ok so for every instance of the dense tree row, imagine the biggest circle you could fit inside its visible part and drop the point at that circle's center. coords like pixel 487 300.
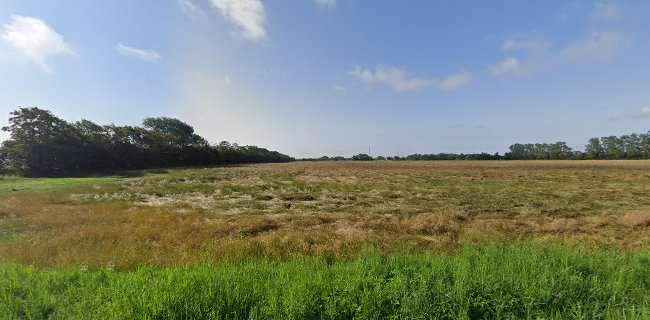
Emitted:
pixel 42 144
pixel 540 151
pixel 633 146
pixel 416 157
pixel 455 156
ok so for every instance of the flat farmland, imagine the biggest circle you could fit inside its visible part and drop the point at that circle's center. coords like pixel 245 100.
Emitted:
pixel 335 210
pixel 333 240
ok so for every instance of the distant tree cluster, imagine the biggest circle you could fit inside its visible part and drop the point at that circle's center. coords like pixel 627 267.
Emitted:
pixel 632 146
pixel 540 151
pixel 42 144
pixel 455 156
pixel 415 157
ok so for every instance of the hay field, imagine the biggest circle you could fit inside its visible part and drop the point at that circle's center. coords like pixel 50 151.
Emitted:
pixel 329 210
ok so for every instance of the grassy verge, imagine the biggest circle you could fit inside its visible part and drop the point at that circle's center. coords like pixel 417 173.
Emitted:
pixel 14 184
pixel 477 283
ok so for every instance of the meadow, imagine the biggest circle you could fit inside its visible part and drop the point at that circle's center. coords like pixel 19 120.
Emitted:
pixel 381 239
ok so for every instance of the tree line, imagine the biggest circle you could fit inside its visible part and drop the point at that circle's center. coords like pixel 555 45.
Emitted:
pixel 42 144
pixel 632 146
pixel 629 146
pixel 414 157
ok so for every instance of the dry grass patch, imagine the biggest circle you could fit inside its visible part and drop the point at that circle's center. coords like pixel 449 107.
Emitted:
pixel 282 211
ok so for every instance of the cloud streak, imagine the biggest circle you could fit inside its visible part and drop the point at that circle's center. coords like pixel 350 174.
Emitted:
pixel 249 16
pixel 191 9
pixel 33 38
pixel 325 3
pixel 508 66
pixel 148 55
pixel 534 42
pixel 457 80
pixel 604 12
pixel 640 113
pixel 399 81
pixel 529 52
pixel 598 47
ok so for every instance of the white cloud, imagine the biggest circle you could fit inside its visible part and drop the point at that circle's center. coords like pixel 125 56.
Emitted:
pixel 223 80
pixel 36 40
pixel 191 9
pixel 508 66
pixel 606 11
pixel 393 77
pixel 457 80
pixel 248 15
pixel 641 113
pixel 338 88
pixel 598 47
pixel 534 42
pixel 325 3
pixel 397 79
pixel 145 55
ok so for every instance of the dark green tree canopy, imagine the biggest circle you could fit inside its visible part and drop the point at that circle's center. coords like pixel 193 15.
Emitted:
pixel 42 144
pixel 34 125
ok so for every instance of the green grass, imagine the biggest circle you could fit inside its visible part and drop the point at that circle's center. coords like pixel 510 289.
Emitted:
pixel 504 282
pixel 22 184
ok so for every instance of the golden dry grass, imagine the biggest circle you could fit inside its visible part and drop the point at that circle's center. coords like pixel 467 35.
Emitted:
pixel 334 210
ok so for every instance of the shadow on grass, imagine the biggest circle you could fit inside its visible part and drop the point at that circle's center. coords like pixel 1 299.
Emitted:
pixel 134 173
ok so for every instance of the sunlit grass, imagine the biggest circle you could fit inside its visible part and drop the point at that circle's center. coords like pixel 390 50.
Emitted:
pixel 14 184
pixel 492 282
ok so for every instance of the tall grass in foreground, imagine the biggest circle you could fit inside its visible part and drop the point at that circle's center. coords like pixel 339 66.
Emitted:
pixel 477 283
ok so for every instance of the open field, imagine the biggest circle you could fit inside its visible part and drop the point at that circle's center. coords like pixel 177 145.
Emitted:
pixel 457 239
pixel 330 210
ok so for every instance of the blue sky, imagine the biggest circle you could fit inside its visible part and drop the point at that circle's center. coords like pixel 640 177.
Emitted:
pixel 337 77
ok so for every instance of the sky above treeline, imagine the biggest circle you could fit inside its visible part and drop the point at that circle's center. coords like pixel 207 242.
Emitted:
pixel 337 77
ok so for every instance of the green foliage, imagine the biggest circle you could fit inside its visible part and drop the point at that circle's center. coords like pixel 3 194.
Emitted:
pixel 42 144
pixel 540 151
pixel 633 146
pixel 362 157
pixel 478 283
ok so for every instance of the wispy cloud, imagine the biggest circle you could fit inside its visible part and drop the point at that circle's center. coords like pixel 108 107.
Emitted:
pixel 508 66
pixel 534 41
pixel 325 3
pixel 639 113
pixel 606 11
pixel 597 47
pixel 148 55
pixel 248 15
pixel 34 38
pixel 395 78
pixel 457 80
pixel 338 88
pixel 223 80
pixel 191 9
pixel 530 52
pixel 399 81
